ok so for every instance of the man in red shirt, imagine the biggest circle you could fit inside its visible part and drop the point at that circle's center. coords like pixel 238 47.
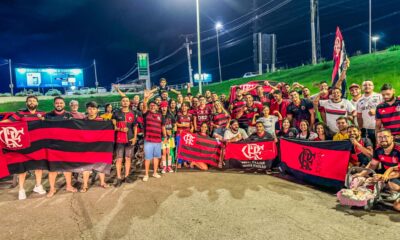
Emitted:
pixel 201 114
pixel 388 113
pixel 236 106
pixel 31 113
pixel 247 112
pixel 278 104
pixel 154 130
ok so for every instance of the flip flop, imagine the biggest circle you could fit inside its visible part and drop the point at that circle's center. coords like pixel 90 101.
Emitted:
pixel 105 186
pixel 83 189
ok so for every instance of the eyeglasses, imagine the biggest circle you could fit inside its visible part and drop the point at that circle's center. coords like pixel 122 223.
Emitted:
pixel 384 137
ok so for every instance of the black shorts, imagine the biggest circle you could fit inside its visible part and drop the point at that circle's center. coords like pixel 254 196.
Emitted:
pixel 122 150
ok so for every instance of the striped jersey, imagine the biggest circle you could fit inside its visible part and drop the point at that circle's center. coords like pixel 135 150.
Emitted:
pixel 184 118
pixel 221 119
pixel 153 123
pixel 26 115
pixel 334 110
pixel 391 160
pixel 390 116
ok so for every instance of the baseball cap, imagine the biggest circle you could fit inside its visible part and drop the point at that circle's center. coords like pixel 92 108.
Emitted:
pixel 354 85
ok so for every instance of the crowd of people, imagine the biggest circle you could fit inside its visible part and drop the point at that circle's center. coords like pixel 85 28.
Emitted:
pixel 369 120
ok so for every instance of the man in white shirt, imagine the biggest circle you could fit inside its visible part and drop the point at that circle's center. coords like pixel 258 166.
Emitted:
pixel 335 108
pixel 366 108
pixel 234 133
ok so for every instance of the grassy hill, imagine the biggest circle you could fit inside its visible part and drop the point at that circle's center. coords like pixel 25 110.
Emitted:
pixel 381 67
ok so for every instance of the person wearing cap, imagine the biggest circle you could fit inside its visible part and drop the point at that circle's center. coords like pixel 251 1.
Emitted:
pixel 366 109
pixel 168 141
pixel 355 92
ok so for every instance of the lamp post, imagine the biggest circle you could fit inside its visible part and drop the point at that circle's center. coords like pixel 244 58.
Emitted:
pixel 375 39
pixel 199 46
pixel 370 26
pixel 218 27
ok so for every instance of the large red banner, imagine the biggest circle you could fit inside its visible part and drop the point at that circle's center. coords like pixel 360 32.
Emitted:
pixel 246 87
pixel 251 154
pixel 326 160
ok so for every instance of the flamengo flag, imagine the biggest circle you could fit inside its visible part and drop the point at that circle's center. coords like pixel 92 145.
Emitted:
pixel 339 58
pixel 3 166
pixel 196 148
pixel 321 163
pixel 68 145
pixel 245 87
pixel 14 135
pixel 258 154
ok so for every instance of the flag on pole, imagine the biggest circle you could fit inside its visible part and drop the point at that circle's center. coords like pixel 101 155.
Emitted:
pixel 340 60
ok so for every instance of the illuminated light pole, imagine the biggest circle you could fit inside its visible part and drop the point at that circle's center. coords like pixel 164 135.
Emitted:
pixel 375 39
pixel 219 27
pixel 199 46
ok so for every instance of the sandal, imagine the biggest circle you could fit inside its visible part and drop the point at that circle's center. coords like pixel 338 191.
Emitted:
pixel 72 189
pixel 83 189
pixel 50 194
pixel 105 185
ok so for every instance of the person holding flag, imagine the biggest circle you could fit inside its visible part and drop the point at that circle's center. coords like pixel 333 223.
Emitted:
pixel 340 62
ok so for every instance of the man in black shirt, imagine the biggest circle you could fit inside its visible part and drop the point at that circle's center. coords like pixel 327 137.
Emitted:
pixel 59 113
pixel 260 133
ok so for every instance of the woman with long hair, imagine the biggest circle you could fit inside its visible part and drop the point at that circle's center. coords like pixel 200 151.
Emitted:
pixel 305 131
pixel 173 108
pixel 220 120
pixel 287 131
pixel 204 131
pixel 108 109
pixel 322 132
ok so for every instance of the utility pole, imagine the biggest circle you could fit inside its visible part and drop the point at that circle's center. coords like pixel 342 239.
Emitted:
pixel 370 26
pixel 319 54
pixel 11 82
pixel 189 53
pixel 95 75
pixel 313 44
pixel 199 46
pixel 254 30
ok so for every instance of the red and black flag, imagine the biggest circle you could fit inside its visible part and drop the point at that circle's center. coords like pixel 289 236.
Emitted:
pixel 340 60
pixel 197 148
pixel 321 163
pixel 260 154
pixel 245 87
pixel 68 145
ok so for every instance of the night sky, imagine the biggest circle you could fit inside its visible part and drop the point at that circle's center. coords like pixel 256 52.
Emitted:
pixel 66 33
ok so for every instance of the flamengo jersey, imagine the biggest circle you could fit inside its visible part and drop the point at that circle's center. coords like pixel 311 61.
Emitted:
pixel 53 115
pixel 153 123
pixel 169 121
pixel 202 115
pixel 124 119
pixel 390 116
pixel 236 107
pixel 249 113
pixel 220 119
pixel 26 115
pixel 335 110
pixel 364 105
pixel 181 118
pixel 391 160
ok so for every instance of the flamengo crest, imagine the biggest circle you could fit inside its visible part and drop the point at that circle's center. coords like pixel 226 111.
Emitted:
pixel 189 139
pixel 11 137
pixel 253 151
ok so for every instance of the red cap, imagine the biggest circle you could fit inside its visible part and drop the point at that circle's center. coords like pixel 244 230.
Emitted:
pixel 164 104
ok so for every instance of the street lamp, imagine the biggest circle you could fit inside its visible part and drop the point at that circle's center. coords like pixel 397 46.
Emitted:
pixel 218 27
pixel 199 46
pixel 375 39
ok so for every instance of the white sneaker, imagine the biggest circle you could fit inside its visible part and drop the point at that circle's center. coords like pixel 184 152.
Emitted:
pixel 394 196
pixel 145 178
pixel 21 195
pixel 170 170
pixel 164 170
pixel 39 189
pixel 156 175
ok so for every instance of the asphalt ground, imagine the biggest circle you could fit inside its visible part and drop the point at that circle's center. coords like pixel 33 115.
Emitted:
pixel 191 205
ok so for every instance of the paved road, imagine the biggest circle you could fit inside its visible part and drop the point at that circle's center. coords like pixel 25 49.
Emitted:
pixel 193 205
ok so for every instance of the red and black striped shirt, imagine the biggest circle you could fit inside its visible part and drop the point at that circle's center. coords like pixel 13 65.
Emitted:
pixel 153 123
pixel 391 160
pixel 181 118
pixel 125 119
pixel 27 116
pixel 202 115
pixel 389 116
pixel 220 119
pixel 237 105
